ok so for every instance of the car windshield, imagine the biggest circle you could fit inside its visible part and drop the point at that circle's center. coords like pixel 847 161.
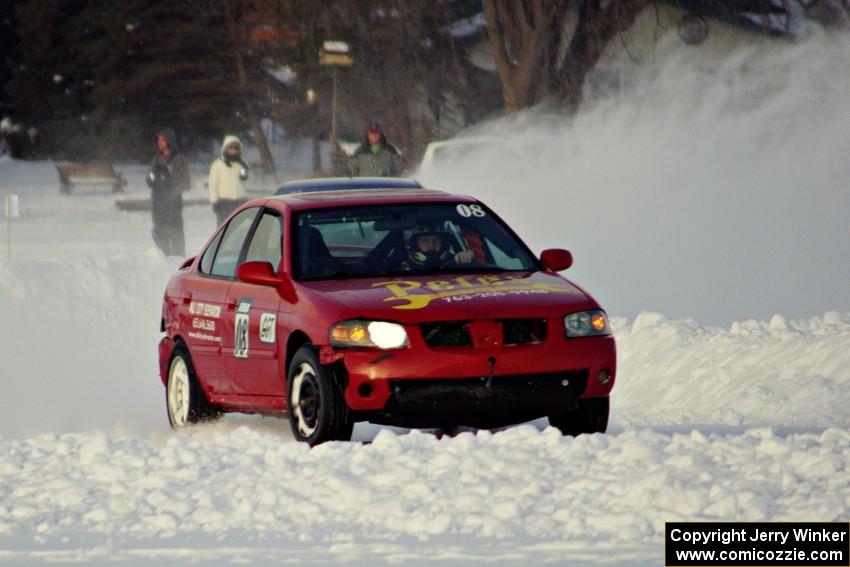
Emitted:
pixel 390 240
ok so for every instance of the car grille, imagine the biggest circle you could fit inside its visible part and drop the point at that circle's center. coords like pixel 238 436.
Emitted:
pixel 459 334
pixel 451 334
pixel 523 331
pixel 535 387
pixel 482 402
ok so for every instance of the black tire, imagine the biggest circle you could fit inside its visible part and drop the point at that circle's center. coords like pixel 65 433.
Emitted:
pixel 591 416
pixel 185 401
pixel 316 406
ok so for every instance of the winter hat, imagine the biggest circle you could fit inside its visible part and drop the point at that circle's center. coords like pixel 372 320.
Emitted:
pixel 170 137
pixel 230 141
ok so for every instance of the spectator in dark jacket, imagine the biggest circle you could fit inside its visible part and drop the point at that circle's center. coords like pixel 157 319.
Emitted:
pixel 168 178
pixel 375 157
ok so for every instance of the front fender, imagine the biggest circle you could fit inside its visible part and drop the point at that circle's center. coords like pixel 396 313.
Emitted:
pixel 166 345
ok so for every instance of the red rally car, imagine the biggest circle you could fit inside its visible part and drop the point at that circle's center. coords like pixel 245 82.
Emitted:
pixel 400 306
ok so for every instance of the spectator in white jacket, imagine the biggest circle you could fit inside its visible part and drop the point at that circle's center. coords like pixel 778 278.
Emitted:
pixel 227 179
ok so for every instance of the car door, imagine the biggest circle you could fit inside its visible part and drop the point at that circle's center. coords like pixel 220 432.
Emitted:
pixel 253 364
pixel 201 319
pixel 212 302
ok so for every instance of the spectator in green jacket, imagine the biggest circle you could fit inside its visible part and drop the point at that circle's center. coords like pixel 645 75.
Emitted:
pixel 375 157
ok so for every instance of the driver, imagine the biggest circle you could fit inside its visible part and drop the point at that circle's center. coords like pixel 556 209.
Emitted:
pixel 430 250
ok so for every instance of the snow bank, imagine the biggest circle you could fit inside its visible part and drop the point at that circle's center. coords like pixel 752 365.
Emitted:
pixel 779 373
pixel 78 340
pixel 516 494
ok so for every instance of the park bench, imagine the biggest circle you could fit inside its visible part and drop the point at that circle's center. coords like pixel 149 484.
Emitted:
pixel 71 174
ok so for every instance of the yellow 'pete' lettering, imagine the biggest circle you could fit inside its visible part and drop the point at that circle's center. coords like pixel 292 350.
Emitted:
pixel 439 285
pixel 399 289
pixel 441 289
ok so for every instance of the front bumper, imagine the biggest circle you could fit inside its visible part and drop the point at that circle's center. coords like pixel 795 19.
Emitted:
pixel 534 380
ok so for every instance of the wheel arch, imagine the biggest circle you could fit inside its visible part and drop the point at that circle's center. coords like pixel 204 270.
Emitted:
pixel 166 350
pixel 200 408
pixel 296 340
pixel 178 340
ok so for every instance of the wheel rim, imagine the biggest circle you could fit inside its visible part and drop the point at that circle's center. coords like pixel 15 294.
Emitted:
pixel 178 392
pixel 306 400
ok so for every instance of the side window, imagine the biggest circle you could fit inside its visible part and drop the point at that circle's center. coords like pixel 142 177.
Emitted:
pixel 231 243
pixel 503 258
pixel 209 253
pixel 266 243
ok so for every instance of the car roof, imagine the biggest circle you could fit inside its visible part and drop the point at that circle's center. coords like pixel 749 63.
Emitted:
pixel 363 193
pixel 346 184
pixel 365 197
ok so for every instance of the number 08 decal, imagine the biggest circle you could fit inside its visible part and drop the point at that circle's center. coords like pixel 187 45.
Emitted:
pixel 467 211
pixel 241 325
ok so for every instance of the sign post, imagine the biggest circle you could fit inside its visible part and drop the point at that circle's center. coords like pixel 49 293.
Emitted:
pixel 336 54
pixel 12 212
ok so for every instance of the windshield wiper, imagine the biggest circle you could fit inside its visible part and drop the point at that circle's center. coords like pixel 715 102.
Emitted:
pixel 455 269
pixel 464 269
pixel 336 276
pixel 436 271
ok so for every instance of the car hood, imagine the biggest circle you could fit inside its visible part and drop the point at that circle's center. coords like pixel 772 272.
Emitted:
pixel 453 296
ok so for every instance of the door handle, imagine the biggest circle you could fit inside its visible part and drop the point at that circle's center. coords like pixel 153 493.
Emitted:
pixel 187 299
pixel 231 305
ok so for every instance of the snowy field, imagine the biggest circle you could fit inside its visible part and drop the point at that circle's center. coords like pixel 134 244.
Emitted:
pixel 732 405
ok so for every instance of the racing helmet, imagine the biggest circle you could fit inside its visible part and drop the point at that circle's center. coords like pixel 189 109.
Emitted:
pixel 429 248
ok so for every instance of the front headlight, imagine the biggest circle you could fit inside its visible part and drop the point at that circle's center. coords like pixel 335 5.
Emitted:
pixel 358 333
pixel 586 324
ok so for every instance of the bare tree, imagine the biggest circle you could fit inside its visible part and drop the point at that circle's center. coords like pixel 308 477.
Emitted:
pixel 238 18
pixel 408 70
pixel 521 35
pixel 598 24
pixel 535 55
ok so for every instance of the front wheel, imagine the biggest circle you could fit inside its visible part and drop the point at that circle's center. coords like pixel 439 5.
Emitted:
pixel 591 416
pixel 317 409
pixel 184 398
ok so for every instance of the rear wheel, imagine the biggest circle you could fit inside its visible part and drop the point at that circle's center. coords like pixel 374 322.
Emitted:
pixel 184 398
pixel 317 409
pixel 591 416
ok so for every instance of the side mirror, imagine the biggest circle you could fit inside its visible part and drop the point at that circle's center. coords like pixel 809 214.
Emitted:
pixel 259 273
pixel 556 259
pixel 262 273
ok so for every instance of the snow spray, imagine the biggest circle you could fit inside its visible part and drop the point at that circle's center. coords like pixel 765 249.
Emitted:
pixel 708 187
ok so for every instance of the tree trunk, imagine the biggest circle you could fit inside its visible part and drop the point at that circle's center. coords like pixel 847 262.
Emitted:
pixel 237 40
pixel 596 28
pixel 262 143
pixel 517 36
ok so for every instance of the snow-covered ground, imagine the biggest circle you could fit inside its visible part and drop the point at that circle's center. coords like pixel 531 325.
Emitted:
pixel 714 417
